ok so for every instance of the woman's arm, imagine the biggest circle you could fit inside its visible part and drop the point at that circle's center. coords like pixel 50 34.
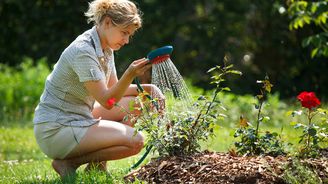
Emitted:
pixel 101 92
pixel 112 80
pixel 131 91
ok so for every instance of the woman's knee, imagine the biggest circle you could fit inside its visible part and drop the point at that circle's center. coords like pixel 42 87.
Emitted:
pixel 137 142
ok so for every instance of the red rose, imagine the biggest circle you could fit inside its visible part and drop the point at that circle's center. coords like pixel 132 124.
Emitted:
pixel 308 99
pixel 111 101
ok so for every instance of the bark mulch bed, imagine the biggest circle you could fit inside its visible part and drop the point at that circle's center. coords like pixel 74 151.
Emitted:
pixel 211 167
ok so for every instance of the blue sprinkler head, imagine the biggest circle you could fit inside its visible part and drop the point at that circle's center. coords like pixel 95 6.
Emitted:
pixel 160 55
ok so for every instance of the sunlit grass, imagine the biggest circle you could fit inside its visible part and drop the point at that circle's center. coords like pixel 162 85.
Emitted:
pixel 21 160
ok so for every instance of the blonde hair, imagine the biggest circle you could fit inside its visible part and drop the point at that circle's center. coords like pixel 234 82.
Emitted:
pixel 122 12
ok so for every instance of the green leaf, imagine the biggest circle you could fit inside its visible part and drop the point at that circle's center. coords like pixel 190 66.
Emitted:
pixel 288 113
pixel 228 67
pixel 275 134
pixel 223 108
pixel 235 72
pixel 215 77
pixel 312 132
pixel 314 7
pixel 298 113
pixel 307 41
pixel 211 69
pixel 322 110
pixel 298 125
pixel 226 89
pixel 126 118
pixel 293 123
pixel 314 52
pixel 131 106
pixel 266 118
pixel 223 115
pixel 201 97
pixel 259 97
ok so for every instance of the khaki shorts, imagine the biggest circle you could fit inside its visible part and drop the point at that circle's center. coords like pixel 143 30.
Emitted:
pixel 57 140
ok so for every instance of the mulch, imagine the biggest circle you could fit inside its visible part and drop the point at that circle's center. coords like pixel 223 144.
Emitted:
pixel 213 167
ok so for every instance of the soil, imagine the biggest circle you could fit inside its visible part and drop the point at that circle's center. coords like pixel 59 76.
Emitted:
pixel 212 167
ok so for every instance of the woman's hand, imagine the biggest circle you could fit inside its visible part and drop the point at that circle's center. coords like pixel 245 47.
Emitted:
pixel 157 93
pixel 138 67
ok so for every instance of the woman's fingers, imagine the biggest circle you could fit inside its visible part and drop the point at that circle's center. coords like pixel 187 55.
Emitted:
pixel 141 65
pixel 145 68
pixel 141 61
pixel 138 67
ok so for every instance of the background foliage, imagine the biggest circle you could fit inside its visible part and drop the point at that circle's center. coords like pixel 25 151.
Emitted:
pixel 22 89
pixel 254 33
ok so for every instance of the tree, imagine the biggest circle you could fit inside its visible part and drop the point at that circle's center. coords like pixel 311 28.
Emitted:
pixel 313 14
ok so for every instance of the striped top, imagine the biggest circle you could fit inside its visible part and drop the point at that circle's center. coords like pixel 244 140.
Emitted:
pixel 65 100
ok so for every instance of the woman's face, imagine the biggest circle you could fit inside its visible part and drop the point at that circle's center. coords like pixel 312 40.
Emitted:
pixel 115 37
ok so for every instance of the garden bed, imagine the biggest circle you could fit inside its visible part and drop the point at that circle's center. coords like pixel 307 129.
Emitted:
pixel 211 167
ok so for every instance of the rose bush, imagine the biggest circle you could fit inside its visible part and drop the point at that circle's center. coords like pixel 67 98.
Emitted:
pixel 314 132
pixel 252 142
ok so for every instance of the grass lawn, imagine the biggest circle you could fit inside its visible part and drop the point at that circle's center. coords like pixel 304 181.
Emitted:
pixel 21 161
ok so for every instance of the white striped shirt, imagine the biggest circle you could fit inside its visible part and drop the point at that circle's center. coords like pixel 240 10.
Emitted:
pixel 65 100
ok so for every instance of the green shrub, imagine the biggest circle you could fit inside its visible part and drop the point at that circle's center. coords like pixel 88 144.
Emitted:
pixel 251 141
pixel 21 88
pixel 181 130
pixel 296 173
pixel 314 129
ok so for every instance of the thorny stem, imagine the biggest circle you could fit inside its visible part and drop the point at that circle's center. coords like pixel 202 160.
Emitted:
pixel 258 119
pixel 152 132
pixel 199 115
pixel 196 122
pixel 217 90
pixel 208 108
pixel 215 94
pixel 210 105
pixel 309 136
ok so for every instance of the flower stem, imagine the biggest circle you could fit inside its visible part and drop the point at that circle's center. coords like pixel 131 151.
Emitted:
pixel 208 109
pixel 258 120
pixel 309 136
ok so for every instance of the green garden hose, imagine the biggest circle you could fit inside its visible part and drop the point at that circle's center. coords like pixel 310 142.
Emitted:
pixel 148 148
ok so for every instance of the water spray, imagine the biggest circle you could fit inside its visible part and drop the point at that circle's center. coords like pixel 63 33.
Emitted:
pixel 167 78
pixel 156 57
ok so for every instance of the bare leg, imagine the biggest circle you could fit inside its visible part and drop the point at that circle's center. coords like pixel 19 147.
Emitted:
pixel 104 141
pixel 115 114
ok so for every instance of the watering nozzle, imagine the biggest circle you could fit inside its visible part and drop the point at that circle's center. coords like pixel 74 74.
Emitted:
pixel 160 55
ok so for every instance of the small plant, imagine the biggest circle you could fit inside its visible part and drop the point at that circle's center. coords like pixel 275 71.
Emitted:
pixel 251 142
pixel 313 134
pixel 209 112
pixel 296 172
pixel 180 131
